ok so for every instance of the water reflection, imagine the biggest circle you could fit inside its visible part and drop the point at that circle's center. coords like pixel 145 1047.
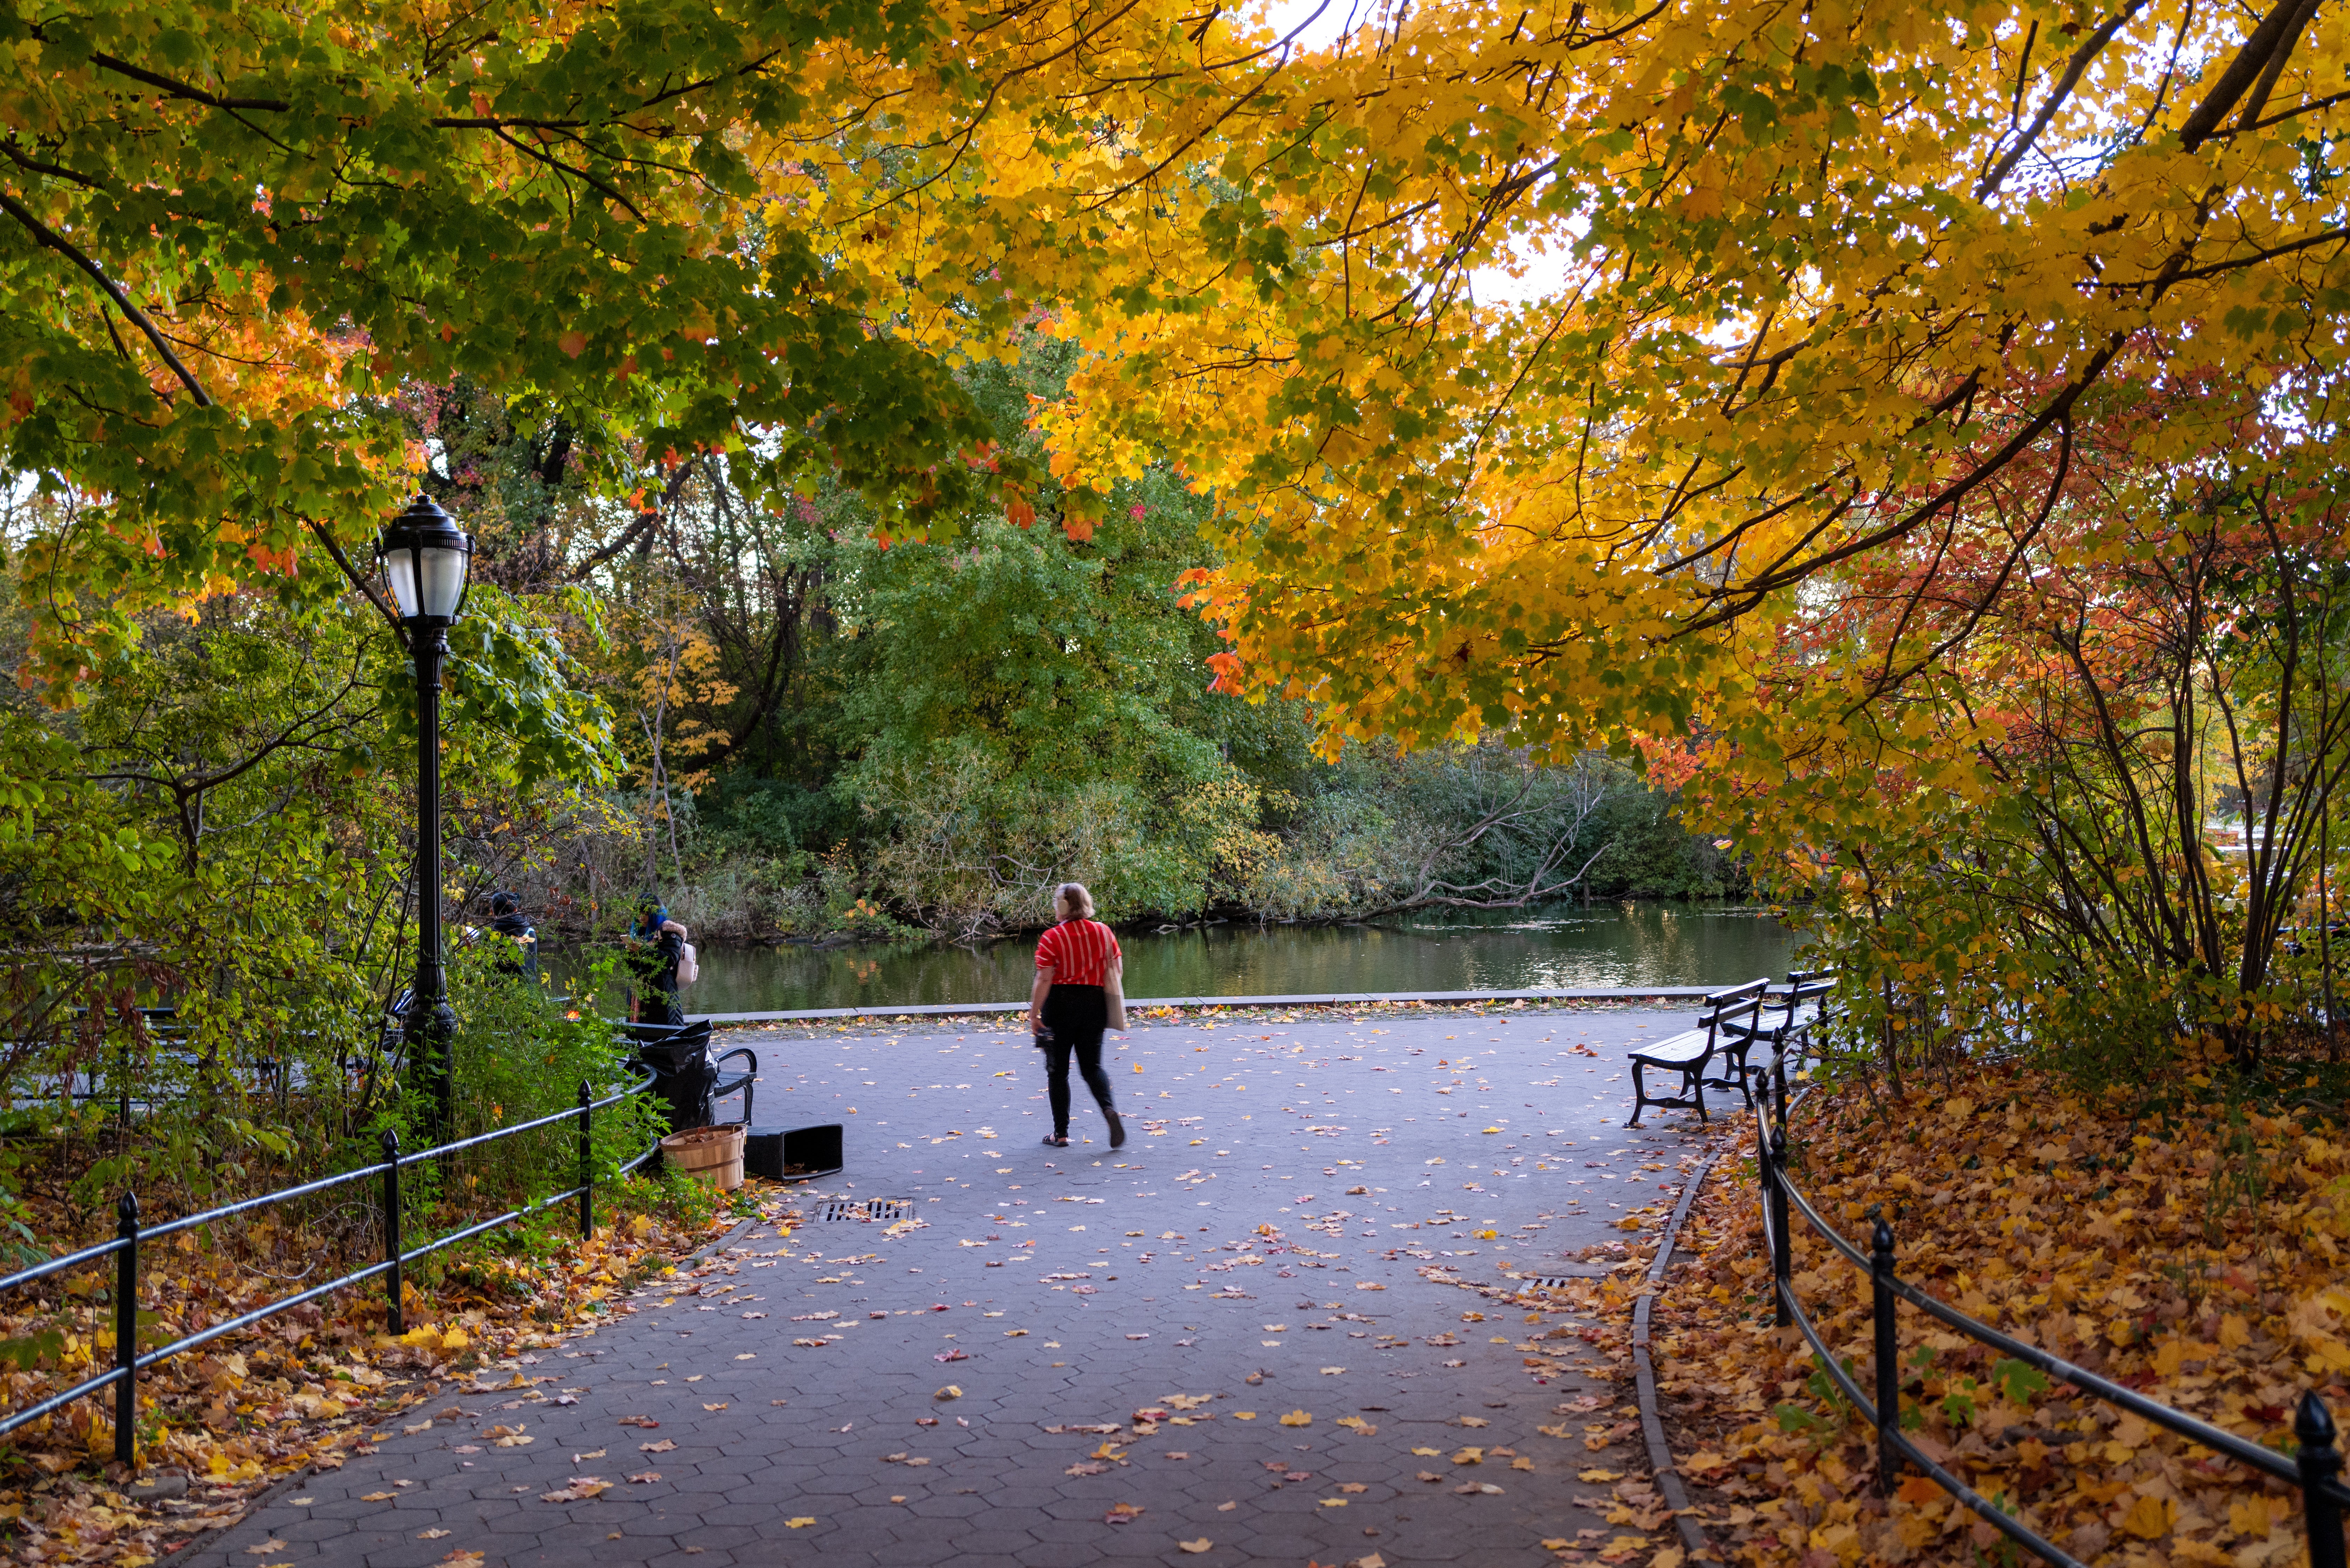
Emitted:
pixel 1614 945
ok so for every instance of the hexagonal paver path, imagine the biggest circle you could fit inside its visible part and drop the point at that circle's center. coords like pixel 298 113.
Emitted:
pixel 1262 1246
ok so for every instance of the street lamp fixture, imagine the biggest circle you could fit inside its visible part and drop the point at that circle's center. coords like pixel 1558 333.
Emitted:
pixel 425 558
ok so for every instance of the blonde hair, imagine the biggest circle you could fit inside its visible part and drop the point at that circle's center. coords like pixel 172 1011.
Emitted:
pixel 1080 902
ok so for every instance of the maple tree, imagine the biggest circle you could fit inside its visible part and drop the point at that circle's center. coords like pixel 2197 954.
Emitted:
pixel 2070 760
pixel 1782 263
pixel 228 235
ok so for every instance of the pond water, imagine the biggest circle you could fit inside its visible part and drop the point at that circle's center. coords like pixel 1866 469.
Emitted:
pixel 1628 944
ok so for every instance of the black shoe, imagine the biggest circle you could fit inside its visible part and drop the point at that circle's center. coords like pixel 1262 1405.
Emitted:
pixel 1056 1140
pixel 1117 1128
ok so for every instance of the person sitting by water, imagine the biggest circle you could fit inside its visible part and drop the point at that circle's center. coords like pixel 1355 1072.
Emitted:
pixel 655 943
pixel 1068 1008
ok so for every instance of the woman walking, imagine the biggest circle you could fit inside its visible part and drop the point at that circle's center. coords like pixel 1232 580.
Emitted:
pixel 1068 1008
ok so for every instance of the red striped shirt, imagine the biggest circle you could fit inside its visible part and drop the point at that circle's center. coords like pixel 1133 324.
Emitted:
pixel 1077 952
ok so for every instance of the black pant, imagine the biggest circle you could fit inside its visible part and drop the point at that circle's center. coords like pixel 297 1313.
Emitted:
pixel 1076 1015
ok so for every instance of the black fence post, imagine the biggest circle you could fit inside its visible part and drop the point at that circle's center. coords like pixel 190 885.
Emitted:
pixel 586 1162
pixel 1889 1357
pixel 1779 1088
pixel 394 1320
pixel 1782 1247
pixel 1782 1244
pixel 2320 1463
pixel 126 1331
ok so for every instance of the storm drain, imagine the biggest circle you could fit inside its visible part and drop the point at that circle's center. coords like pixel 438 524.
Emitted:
pixel 866 1209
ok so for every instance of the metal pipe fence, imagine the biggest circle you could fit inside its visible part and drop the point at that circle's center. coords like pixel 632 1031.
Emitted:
pixel 2314 1468
pixel 129 1362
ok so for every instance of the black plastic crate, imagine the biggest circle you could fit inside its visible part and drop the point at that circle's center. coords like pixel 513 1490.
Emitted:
pixel 792 1154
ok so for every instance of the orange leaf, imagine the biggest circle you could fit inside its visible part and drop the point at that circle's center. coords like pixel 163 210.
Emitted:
pixel 1919 1489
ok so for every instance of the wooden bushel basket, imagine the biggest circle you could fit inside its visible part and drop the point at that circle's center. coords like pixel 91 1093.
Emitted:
pixel 712 1154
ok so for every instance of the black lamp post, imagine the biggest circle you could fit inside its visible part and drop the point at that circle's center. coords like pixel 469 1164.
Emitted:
pixel 425 555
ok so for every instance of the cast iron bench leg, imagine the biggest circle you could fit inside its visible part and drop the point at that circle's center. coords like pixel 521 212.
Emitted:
pixel 1640 1092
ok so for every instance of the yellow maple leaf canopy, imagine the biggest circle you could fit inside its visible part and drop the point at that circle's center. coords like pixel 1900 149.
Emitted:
pixel 1538 355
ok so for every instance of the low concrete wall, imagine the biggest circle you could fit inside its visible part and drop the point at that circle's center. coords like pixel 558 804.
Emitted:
pixel 1665 994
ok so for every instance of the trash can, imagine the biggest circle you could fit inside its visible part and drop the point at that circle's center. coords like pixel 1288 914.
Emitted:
pixel 684 1077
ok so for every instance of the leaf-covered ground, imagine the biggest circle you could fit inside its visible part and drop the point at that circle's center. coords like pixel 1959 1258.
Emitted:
pixel 2194 1256
pixel 304 1390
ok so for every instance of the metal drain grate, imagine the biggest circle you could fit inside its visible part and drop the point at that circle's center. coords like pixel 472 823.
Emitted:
pixel 866 1209
pixel 1585 1274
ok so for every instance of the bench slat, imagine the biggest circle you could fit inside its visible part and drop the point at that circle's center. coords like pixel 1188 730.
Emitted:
pixel 1674 1050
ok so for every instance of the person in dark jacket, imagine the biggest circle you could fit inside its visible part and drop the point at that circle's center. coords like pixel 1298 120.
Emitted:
pixel 655 944
pixel 507 919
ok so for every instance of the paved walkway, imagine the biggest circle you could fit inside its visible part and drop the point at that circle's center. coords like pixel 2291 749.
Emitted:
pixel 1258 1253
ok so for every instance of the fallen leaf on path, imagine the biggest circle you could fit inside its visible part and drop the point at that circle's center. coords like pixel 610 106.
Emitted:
pixel 1122 1514
pixel 1196 1547
pixel 802 1522
pixel 1297 1418
pixel 641 1476
pixel 664 1446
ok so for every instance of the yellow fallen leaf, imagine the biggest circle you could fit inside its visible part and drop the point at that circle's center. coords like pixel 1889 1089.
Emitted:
pixel 1334 1503
pixel 1429 1453
pixel 431 1535
pixel 1469 1457
pixel 1196 1547
pixel 1297 1418
pixel 2150 1518
pixel 1521 1463
pixel 802 1522
pixel 1243 1414
pixel 1595 1477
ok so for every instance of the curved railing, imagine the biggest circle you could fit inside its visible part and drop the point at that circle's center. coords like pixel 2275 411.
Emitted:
pixel 2315 1469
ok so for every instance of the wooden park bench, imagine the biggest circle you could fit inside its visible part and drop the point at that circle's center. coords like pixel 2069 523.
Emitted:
pixel 1691 1052
pixel 1783 1021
